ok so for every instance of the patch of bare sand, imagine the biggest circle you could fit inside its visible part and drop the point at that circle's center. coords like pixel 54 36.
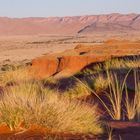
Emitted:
pixel 24 48
pixel 20 48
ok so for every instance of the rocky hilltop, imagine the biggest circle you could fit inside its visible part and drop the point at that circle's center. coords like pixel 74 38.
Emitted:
pixel 70 25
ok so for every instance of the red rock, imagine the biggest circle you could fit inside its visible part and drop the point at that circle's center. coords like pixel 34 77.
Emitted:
pixel 74 64
pixel 72 61
pixel 45 66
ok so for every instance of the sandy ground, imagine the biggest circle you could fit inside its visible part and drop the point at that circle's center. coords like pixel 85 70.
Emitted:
pixel 21 48
pixel 26 48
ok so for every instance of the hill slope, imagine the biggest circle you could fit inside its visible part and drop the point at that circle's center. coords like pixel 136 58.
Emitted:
pixel 70 25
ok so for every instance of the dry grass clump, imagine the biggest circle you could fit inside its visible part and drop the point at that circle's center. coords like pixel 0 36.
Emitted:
pixel 133 106
pixel 138 104
pixel 94 70
pixel 78 91
pixel 114 94
pixel 98 68
pixel 101 83
pixel 19 74
pixel 115 97
pixel 115 88
pixel 31 104
pixel 110 133
pixel 7 67
pixel 114 64
pixel 122 64
pixel 133 64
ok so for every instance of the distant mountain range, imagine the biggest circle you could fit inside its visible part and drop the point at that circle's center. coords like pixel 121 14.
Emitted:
pixel 70 25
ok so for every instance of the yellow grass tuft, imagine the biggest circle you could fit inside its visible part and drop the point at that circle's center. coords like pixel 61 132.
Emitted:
pixel 101 83
pixel 31 104
pixel 78 91
pixel 16 75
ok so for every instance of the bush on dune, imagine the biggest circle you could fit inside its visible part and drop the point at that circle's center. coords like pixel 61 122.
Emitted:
pixel 31 104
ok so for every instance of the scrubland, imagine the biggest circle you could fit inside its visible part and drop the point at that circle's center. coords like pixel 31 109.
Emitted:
pixel 99 94
pixel 102 101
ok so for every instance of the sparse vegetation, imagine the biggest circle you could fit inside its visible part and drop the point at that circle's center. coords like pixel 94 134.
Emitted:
pixel 122 63
pixel 31 104
pixel 78 91
pixel 110 133
pixel 101 83
pixel 115 97
pixel 16 75
pixel 7 67
pixel 114 64
pixel 133 105
pixel 117 94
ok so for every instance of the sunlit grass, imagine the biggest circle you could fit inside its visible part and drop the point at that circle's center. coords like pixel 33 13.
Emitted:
pixel 122 64
pixel 133 105
pixel 114 64
pixel 114 95
pixel 109 133
pixel 78 91
pixel 31 104
pixel 101 83
pixel 16 75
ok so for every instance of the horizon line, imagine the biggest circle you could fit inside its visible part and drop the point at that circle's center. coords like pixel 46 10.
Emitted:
pixel 12 17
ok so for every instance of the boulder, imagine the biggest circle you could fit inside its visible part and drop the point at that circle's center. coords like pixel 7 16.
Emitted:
pixel 45 66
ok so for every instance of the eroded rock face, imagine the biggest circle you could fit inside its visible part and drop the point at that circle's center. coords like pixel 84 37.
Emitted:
pixel 72 61
pixel 45 66
pixel 74 64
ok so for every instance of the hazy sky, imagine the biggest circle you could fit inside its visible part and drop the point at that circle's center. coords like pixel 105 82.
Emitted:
pixel 45 8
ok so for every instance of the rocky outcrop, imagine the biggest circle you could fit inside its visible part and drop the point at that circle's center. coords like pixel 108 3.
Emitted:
pixel 45 66
pixel 72 61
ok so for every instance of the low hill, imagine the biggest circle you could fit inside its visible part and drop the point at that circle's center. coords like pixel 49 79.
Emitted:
pixel 70 25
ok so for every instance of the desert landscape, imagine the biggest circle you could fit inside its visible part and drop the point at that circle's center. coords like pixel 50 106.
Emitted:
pixel 70 78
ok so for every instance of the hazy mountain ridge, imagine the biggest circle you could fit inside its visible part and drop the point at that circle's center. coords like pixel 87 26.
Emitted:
pixel 70 25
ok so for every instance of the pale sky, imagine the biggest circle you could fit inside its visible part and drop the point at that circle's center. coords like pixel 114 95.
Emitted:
pixel 46 8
